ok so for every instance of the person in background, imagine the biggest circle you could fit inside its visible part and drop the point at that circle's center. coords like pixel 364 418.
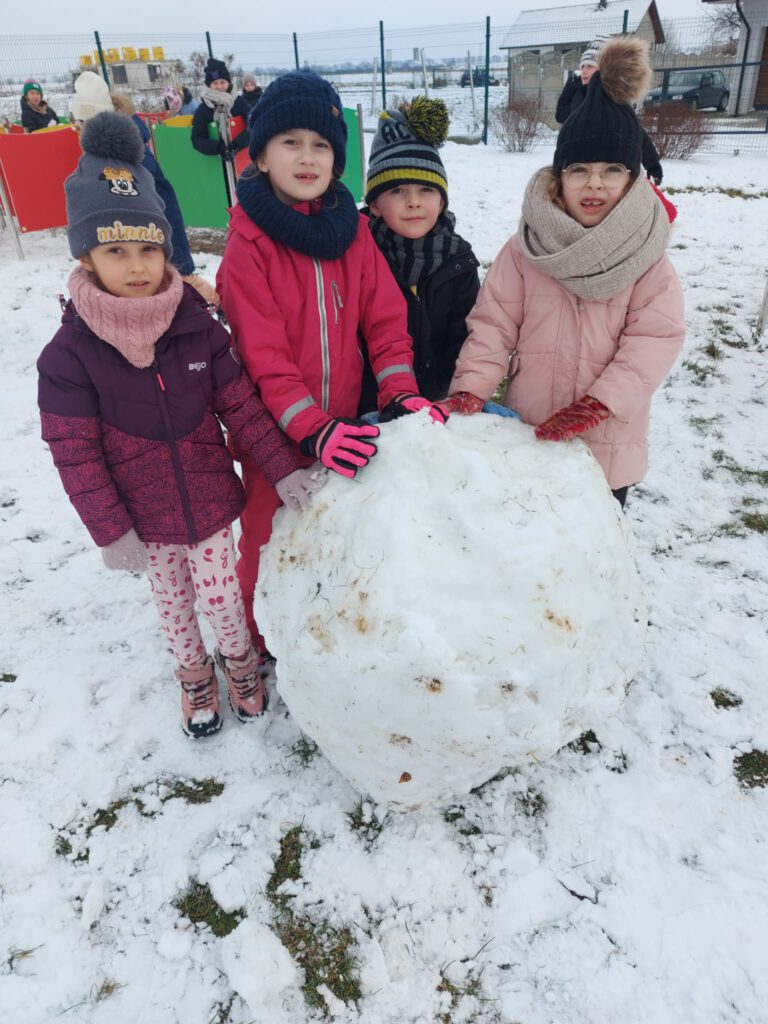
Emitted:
pixel 189 104
pixel 572 96
pixel 35 112
pixel 92 96
pixel 123 104
pixel 216 98
pixel 300 278
pixel 248 98
pixel 582 309
pixel 172 100
pixel 435 268
pixel 132 390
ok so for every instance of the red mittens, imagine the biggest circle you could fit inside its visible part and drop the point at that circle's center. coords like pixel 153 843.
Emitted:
pixel 462 402
pixel 574 419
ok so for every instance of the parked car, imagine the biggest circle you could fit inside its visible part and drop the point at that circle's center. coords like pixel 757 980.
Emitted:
pixel 478 78
pixel 698 89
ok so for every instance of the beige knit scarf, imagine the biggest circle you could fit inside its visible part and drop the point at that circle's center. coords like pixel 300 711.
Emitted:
pixel 132 326
pixel 593 263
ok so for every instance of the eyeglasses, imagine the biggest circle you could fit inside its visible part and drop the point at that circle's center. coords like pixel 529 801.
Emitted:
pixel 612 176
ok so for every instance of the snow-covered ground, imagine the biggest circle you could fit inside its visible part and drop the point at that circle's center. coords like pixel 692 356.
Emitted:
pixel 626 880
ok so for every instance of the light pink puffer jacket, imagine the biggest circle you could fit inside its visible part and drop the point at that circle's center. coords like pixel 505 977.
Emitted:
pixel 559 348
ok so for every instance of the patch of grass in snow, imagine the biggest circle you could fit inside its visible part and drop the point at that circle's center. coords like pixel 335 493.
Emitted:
pixel 107 988
pixel 198 904
pixel 471 989
pixel 14 955
pixel 222 1013
pixel 741 474
pixel 365 824
pixel 7 677
pixel 587 743
pixel 531 803
pixel 751 768
pixel 703 424
pixel 324 952
pixel 723 698
pixel 712 349
pixel 193 791
pixel 456 815
pixel 734 193
pixel 701 372
pixel 304 751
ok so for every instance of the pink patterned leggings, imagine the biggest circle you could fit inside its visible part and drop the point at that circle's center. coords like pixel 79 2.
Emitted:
pixel 179 573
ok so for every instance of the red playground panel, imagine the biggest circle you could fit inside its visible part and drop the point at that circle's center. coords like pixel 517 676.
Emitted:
pixel 34 168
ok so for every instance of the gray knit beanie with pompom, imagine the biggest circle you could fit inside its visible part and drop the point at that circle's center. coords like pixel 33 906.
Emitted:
pixel 111 198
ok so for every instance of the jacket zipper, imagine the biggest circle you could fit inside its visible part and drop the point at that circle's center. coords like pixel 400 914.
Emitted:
pixel 175 458
pixel 337 303
pixel 324 353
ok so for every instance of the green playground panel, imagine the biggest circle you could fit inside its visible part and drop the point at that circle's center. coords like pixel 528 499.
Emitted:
pixel 197 180
pixel 353 172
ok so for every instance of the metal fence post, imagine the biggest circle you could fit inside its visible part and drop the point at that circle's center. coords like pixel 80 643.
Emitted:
pixel 296 50
pixel 625 26
pixel 101 57
pixel 208 42
pixel 383 68
pixel 487 77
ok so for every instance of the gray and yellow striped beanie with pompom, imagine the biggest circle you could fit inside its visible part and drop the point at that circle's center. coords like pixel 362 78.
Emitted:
pixel 404 149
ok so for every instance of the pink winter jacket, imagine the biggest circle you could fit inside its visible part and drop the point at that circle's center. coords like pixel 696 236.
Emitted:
pixel 558 348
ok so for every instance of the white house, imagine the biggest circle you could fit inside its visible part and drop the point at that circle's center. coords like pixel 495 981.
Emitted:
pixel 561 29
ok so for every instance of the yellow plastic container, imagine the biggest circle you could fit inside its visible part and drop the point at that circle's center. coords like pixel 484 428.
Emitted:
pixel 86 60
pixel 144 54
pixel 158 53
pixel 129 53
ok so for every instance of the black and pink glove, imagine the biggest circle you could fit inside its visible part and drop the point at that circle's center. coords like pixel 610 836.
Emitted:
pixel 342 445
pixel 404 404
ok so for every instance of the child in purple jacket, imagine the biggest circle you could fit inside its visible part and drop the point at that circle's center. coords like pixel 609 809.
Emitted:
pixel 131 391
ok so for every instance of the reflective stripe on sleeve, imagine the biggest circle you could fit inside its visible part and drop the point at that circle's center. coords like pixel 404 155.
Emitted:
pixel 394 369
pixel 294 410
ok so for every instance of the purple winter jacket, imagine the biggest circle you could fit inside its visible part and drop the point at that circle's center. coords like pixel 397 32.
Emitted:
pixel 143 448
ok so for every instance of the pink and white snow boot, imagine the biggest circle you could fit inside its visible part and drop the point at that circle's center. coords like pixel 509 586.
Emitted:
pixel 245 685
pixel 200 711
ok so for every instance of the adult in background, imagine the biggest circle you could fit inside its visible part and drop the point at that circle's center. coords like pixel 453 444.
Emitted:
pixel 92 96
pixel 216 98
pixel 572 97
pixel 36 114
pixel 189 103
pixel 248 98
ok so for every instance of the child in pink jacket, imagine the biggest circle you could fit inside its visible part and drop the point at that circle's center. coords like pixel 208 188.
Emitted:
pixel 300 278
pixel 582 307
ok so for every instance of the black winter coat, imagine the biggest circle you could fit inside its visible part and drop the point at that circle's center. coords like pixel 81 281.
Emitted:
pixel 33 120
pixel 572 97
pixel 203 117
pixel 436 323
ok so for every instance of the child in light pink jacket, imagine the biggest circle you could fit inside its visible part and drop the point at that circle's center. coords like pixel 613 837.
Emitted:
pixel 582 307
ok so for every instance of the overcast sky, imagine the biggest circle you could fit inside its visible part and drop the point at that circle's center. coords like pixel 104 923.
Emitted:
pixel 141 16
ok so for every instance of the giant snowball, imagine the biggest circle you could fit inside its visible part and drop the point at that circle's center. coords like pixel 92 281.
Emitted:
pixel 470 601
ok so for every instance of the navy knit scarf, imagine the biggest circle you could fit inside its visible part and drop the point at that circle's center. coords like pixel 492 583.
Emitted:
pixel 325 235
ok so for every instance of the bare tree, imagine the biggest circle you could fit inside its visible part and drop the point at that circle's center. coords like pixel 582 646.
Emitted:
pixel 726 28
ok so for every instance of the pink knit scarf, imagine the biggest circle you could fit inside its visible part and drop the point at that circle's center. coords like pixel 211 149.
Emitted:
pixel 132 326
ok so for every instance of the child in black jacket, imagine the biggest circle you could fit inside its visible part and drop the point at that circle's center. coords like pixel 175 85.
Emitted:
pixel 407 195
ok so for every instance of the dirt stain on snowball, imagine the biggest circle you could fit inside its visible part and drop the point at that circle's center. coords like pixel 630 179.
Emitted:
pixel 433 685
pixel 405 777
pixel 400 741
pixel 316 627
pixel 564 622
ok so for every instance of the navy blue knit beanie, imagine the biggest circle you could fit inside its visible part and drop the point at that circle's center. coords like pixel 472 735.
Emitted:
pixel 299 99
pixel 216 69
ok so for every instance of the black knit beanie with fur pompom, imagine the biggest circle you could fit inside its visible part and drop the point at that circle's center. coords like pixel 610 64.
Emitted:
pixel 605 128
